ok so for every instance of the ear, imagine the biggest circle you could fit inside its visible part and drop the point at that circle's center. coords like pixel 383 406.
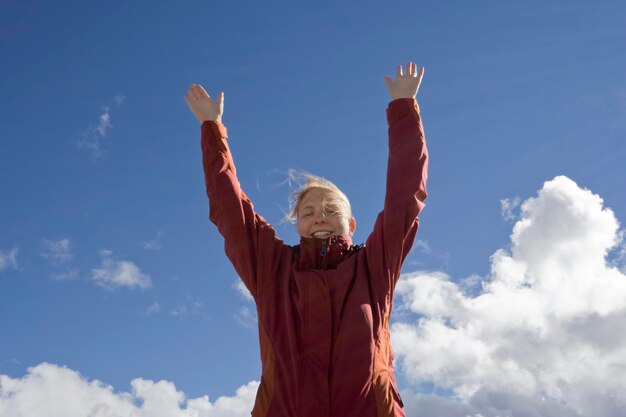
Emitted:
pixel 352 223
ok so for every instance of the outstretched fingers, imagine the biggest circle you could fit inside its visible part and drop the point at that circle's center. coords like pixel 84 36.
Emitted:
pixel 411 69
pixel 202 92
pixel 197 92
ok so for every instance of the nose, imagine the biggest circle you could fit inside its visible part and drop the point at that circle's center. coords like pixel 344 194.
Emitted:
pixel 319 218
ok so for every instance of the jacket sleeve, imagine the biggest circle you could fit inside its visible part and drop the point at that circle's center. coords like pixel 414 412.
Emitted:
pixel 407 167
pixel 249 241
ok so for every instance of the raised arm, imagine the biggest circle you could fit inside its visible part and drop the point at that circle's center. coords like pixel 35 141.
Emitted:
pixel 250 242
pixel 407 167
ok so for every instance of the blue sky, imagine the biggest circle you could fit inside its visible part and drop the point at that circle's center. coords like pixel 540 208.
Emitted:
pixel 100 165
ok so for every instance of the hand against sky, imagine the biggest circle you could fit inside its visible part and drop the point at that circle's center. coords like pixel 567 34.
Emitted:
pixel 203 106
pixel 405 86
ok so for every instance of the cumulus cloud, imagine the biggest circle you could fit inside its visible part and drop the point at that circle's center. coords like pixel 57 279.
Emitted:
pixel 114 274
pixel 545 334
pixel 8 260
pixel 48 390
pixel 91 139
pixel 57 251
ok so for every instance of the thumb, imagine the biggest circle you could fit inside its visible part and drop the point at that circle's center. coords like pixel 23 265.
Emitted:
pixel 220 99
pixel 388 81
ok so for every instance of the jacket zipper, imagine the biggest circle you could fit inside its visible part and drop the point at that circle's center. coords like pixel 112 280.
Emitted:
pixel 324 248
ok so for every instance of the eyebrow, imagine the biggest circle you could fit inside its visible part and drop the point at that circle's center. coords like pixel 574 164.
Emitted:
pixel 329 206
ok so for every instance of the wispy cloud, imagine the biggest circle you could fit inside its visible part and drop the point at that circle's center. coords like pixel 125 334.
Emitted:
pixel 114 274
pixel 189 308
pixel 66 275
pixel 91 139
pixel 53 391
pixel 422 246
pixel 544 334
pixel 422 249
pixel 154 244
pixel 57 251
pixel 8 259
pixel 153 309
pixel 246 315
pixel 243 291
pixel 58 254
pixel 508 206
pixel 119 98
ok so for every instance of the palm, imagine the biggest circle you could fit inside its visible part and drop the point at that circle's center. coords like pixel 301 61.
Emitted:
pixel 405 85
pixel 203 106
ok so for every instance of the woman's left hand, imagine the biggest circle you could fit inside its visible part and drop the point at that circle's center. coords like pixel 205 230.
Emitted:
pixel 405 86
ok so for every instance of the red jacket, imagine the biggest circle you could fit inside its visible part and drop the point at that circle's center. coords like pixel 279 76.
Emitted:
pixel 323 305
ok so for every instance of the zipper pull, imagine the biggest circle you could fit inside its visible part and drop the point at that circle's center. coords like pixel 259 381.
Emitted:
pixel 323 251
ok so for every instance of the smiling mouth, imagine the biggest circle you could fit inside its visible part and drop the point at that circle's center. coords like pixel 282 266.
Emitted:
pixel 322 233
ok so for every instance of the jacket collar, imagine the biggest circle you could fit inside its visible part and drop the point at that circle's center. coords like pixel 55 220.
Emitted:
pixel 326 253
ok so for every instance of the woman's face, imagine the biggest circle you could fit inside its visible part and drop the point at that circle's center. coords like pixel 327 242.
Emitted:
pixel 318 217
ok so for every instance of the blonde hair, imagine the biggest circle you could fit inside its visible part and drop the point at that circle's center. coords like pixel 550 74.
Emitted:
pixel 333 195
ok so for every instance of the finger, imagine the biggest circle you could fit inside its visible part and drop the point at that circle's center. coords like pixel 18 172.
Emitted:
pixel 408 68
pixel 203 92
pixel 200 92
pixel 189 94
pixel 414 69
pixel 421 74
pixel 194 92
pixel 220 99
pixel 399 71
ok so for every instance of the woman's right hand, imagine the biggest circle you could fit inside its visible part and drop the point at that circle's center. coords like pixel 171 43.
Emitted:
pixel 203 106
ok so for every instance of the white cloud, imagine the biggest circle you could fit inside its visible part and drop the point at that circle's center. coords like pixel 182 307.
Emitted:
pixel 246 316
pixel 48 390
pixel 189 307
pixel 154 244
pixel 91 138
pixel 57 251
pixel 119 98
pixel 243 291
pixel 115 274
pixel 546 333
pixel 422 246
pixel 153 309
pixel 65 276
pixel 543 335
pixel 508 206
pixel 9 259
